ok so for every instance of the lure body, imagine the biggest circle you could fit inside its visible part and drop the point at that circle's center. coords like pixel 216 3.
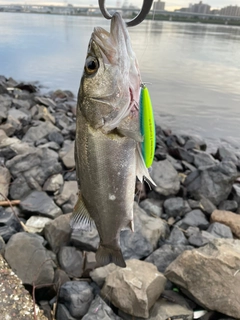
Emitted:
pixel 147 126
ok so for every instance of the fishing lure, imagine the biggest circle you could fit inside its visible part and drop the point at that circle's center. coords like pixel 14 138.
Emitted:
pixel 147 126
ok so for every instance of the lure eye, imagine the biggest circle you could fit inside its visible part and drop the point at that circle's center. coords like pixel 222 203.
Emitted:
pixel 91 65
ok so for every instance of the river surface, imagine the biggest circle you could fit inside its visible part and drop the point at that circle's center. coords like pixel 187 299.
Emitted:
pixel 193 69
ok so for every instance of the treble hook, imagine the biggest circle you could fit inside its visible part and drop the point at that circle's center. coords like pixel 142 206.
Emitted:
pixel 134 22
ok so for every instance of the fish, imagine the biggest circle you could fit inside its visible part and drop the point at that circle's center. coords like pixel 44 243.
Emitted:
pixel 108 140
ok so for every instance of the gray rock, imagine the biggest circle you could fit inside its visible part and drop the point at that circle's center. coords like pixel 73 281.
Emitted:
pixel 71 261
pixel 213 183
pixel 176 237
pixel 19 104
pixel 36 224
pixel 63 313
pixel 100 274
pixel 181 154
pixel 163 256
pixel 77 297
pixel 141 283
pixel 89 263
pixel 204 204
pixel 85 240
pixel 152 207
pixel 51 145
pixel 39 203
pixel 68 156
pixel 70 189
pixel 99 310
pixel 176 207
pixel 144 239
pixel 20 115
pixel 230 219
pixel 176 163
pixel 228 205
pixel 224 153
pixel 166 177
pixel 195 142
pixel 5 178
pixel 236 193
pixel 58 232
pixel 56 137
pixel 9 224
pixel 197 239
pixel 41 113
pixel 41 131
pixel 29 259
pixel 46 102
pixel 195 218
pixel 203 159
pixel 53 183
pixel 2 246
pixel 220 230
pixel 214 266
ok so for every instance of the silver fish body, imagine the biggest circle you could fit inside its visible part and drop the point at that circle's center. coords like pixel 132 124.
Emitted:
pixel 107 152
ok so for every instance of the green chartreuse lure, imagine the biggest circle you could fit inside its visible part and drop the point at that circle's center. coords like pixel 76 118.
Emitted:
pixel 147 126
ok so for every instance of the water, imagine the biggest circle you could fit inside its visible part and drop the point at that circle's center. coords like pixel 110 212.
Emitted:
pixel 194 69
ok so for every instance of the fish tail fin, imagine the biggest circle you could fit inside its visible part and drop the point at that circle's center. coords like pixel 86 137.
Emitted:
pixel 105 255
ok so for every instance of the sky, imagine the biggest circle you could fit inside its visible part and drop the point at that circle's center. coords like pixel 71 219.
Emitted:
pixel 170 4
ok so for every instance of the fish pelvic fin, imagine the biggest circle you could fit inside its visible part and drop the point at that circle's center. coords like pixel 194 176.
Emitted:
pixel 105 255
pixel 81 218
pixel 141 169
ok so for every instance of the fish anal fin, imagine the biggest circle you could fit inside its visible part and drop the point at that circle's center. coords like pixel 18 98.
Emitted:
pixel 141 169
pixel 105 255
pixel 81 218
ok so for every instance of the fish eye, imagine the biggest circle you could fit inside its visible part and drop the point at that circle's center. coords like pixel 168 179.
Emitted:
pixel 91 65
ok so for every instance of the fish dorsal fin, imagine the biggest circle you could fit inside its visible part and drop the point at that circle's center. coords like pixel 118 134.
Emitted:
pixel 141 169
pixel 80 217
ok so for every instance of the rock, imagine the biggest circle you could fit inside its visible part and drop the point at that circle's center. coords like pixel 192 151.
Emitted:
pixel 51 145
pixel 236 193
pixel 2 246
pixel 176 207
pixel 144 240
pixel 71 261
pixel 9 224
pixel 42 113
pixel 99 274
pixel 27 87
pixel 60 277
pixel 197 239
pixel 195 218
pixel 230 219
pixel 152 207
pixel 5 178
pixel 29 259
pixel 70 189
pixel 143 284
pixel 77 297
pixel 213 183
pixel 56 137
pixel 36 224
pixel 176 237
pixel 228 205
pixel 187 166
pixel 58 232
pixel 89 263
pixel 85 240
pixel 16 302
pixel 31 170
pixel 39 203
pixel 68 156
pixel 63 313
pixel 214 266
pixel 176 163
pixel 224 153
pixel 204 204
pixel 99 310
pixel 181 154
pixel 203 159
pixel 20 115
pixel 46 102
pixel 166 177
pixel 53 183
pixel 195 142
pixel 41 131
pixel 20 104
pixel 164 255
pixel 220 230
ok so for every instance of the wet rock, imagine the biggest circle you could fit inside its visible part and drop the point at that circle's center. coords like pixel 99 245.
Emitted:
pixel 41 131
pixel 29 259
pixel 163 256
pixel 144 239
pixel 99 310
pixel 100 274
pixel 5 178
pixel 220 230
pixel 85 240
pixel 176 207
pixel 195 218
pixel 176 237
pixel 228 205
pixel 212 266
pixel 36 224
pixel 153 207
pixel 141 281
pixel 213 183
pixel 58 232
pixel 71 261
pixel 166 178
pixel 77 297
pixel 230 219
pixel 9 224
pixel 56 137
pixel 39 203
pixel 53 183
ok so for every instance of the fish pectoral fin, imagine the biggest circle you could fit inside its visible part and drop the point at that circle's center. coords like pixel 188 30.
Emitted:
pixel 105 255
pixel 141 169
pixel 81 218
pixel 135 135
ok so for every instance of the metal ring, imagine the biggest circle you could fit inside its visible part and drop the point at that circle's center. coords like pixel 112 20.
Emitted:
pixel 134 22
